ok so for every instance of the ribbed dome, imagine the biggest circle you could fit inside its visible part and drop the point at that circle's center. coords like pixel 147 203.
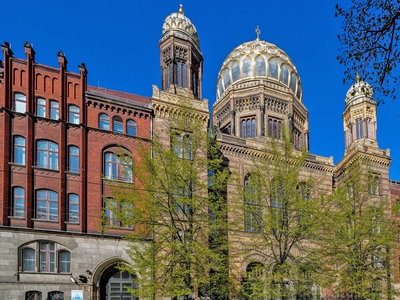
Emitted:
pixel 258 60
pixel 179 25
pixel 359 91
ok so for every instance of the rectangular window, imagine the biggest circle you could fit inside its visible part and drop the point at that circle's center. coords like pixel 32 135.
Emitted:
pixel 47 256
pixel 20 103
pixel 47 205
pixel 47 154
pixel 18 202
pixel 28 260
pixel 73 159
pixel 41 107
pixel 19 150
pixel 54 110
pixel 73 208
pixel 64 262
pixel 359 129
pixel 73 114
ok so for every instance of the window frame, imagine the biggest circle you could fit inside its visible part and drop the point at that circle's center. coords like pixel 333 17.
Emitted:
pixel 118 124
pixel 131 127
pixel 118 167
pixel 41 107
pixel 54 110
pixel 19 150
pixel 48 153
pixel 104 121
pixel 20 102
pixel 73 208
pixel 18 202
pixel 74 114
pixel 46 205
pixel 73 159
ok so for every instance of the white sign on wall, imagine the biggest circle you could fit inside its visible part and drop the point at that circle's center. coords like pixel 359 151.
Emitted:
pixel 76 295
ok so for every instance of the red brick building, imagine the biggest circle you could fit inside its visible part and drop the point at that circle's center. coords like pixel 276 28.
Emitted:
pixel 61 141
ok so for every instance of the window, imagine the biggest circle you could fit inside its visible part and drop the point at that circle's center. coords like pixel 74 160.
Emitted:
pixel 284 77
pixel 19 103
pixel 117 286
pixel 182 145
pixel 298 138
pixel 118 167
pixel 46 205
pixel 73 114
pixel 181 74
pixel 47 154
pixel 19 150
pixel 235 71
pixel 33 295
pixel 73 208
pixel 41 107
pixel 64 261
pixel 275 128
pixel 276 196
pixel 18 204
pixel 131 128
pixel 249 127
pixel 104 122
pixel 73 159
pixel 56 295
pixel 252 207
pixel 293 82
pixel 47 255
pixel 374 184
pixel 273 68
pixel 246 67
pixel 227 78
pixel 118 125
pixel 359 129
pixel 260 66
pixel 54 110
pixel 28 260
pixel 111 213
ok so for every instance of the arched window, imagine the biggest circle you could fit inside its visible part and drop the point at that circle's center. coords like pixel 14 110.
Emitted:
pixel 18 203
pixel 235 71
pixel 293 82
pixel 118 126
pixel 252 284
pixel 260 66
pixel 19 150
pixel 131 128
pixel 220 88
pixel 117 167
pixel 73 159
pixel 181 74
pixel 28 260
pixel 64 261
pixel 227 78
pixel 298 94
pixel 33 295
pixel 252 206
pixel 249 127
pixel 104 122
pixel 275 128
pixel 73 114
pixel 54 110
pixel 359 129
pixel 273 68
pixel 41 107
pixel 46 205
pixel 246 67
pixel 47 154
pixel 284 77
pixel 55 295
pixel 73 208
pixel 19 102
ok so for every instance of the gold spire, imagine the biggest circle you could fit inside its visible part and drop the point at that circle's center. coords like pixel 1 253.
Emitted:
pixel 357 78
pixel 258 32
pixel 181 9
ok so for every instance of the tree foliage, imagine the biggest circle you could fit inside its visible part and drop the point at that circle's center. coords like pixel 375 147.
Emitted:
pixel 370 43
pixel 357 237
pixel 283 213
pixel 170 207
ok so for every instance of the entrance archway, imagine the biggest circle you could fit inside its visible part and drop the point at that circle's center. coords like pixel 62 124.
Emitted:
pixel 114 283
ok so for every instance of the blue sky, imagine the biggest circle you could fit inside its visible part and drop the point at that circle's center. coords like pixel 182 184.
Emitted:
pixel 118 41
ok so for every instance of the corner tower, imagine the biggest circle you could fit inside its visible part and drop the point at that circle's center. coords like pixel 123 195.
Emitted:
pixel 180 56
pixel 359 116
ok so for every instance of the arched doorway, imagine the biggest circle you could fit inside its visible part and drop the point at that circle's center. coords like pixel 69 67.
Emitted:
pixel 114 284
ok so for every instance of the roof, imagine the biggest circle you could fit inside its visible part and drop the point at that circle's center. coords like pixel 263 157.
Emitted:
pixel 118 96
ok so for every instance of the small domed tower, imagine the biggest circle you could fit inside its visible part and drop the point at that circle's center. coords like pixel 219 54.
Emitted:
pixel 359 117
pixel 259 94
pixel 180 56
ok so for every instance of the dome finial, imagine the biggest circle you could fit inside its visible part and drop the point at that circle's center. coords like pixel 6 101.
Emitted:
pixel 181 9
pixel 357 78
pixel 258 32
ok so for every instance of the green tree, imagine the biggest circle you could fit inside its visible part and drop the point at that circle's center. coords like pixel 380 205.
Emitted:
pixel 357 237
pixel 175 209
pixel 370 42
pixel 281 210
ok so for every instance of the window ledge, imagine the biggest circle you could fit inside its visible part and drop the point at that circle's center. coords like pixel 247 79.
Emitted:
pixel 43 220
pixel 45 169
pixel 16 164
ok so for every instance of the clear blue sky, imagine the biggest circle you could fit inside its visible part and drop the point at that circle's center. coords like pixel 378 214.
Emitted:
pixel 118 41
